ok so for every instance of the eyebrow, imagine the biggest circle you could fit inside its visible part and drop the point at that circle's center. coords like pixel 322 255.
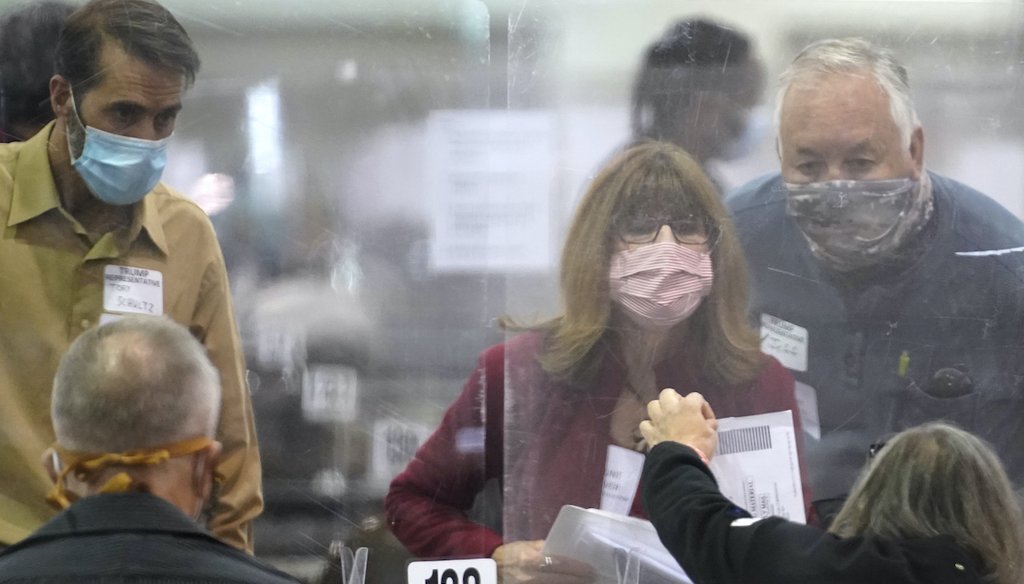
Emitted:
pixel 806 152
pixel 173 109
pixel 136 106
pixel 125 103
pixel 862 146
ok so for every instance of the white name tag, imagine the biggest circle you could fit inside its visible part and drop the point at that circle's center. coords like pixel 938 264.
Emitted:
pixel 807 403
pixel 134 290
pixel 785 341
pixel 479 571
pixel 621 478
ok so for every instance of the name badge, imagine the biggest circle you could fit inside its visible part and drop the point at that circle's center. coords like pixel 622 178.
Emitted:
pixel 785 341
pixel 621 478
pixel 133 290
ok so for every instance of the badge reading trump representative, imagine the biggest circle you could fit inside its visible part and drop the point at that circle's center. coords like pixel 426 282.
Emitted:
pixel 134 290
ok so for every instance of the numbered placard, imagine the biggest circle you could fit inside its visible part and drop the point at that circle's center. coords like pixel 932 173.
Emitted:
pixel 330 393
pixel 394 443
pixel 479 571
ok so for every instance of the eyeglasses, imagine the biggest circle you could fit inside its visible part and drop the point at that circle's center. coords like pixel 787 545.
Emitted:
pixel 874 449
pixel 690 230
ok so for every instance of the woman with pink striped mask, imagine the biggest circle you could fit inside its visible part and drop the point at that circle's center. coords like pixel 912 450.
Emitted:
pixel 663 271
pixel 654 295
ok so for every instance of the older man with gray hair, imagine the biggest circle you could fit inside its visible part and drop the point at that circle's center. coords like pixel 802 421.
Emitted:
pixel 895 295
pixel 135 408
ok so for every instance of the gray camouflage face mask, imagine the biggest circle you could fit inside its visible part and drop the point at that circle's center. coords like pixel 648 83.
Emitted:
pixel 852 224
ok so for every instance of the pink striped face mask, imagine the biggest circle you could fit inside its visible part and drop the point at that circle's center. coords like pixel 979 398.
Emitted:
pixel 661 284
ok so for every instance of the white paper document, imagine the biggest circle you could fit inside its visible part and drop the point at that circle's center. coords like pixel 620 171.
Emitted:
pixel 490 175
pixel 620 549
pixel 756 465
pixel 622 471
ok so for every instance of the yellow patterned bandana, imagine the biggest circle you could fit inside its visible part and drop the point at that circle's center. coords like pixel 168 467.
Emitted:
pixel 85 464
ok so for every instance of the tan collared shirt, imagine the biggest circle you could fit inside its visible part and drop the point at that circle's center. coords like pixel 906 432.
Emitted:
pixel 55 283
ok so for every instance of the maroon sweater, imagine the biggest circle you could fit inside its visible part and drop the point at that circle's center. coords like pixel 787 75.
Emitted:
pixel 546 442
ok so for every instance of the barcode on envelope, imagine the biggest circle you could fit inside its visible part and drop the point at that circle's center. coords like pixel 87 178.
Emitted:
pixel 745 440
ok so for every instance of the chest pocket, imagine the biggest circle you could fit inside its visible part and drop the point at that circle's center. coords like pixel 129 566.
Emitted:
pixel 941 369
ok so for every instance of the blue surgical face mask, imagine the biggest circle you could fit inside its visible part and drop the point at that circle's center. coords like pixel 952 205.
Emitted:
pixel 119 170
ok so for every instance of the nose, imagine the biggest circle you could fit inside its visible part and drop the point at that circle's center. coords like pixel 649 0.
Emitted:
pixel 151 131
pixel 143 132
pixel 664 234
pixel 835 172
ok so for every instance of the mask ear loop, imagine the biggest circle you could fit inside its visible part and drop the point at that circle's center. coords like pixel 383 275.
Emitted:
pixel 58 495
pixel 80 127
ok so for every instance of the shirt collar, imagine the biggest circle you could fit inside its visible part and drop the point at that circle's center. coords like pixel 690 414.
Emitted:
pixel 117 513
pixel 147 217
pixel 35 192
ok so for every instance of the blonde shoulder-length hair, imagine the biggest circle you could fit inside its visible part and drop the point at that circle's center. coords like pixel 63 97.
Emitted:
pixel 718 332
pixel 937 479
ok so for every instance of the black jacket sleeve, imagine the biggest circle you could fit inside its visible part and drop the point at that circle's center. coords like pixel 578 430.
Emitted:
pixel 691 515
pixel 696 524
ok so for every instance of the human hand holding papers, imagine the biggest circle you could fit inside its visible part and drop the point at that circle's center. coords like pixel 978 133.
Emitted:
pixel 755 459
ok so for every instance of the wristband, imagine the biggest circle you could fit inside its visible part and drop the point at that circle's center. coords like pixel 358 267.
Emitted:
pixel 703 458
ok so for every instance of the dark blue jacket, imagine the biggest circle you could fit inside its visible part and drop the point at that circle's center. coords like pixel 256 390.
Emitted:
pixel 886 350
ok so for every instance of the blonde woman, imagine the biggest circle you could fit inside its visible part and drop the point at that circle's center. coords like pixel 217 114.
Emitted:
pixel 654 294
pixel 934 506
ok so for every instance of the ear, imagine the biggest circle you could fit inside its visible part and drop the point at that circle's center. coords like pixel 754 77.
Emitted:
pixel 204 463
pixel 917 151
pixel 60 96
pixel 51 462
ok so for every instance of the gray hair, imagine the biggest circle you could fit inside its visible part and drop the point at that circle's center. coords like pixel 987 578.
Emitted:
pixel 937 479
pixel 137 382
pixel 852 55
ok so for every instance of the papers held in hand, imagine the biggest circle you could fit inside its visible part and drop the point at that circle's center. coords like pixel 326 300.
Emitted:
pixel 756 465
pixel 621 549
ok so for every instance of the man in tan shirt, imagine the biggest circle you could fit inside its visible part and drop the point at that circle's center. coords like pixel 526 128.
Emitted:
pixel 89 234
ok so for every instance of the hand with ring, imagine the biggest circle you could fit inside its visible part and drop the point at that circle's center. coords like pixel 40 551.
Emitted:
pixel 524 562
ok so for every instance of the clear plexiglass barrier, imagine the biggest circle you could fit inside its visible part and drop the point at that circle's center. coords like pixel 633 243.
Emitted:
pixel 468 241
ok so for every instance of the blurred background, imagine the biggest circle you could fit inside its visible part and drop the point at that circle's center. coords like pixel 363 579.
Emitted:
pixel 388 178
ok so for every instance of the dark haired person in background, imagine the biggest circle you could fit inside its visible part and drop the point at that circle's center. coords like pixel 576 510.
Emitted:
pixel 28 40
pixel 696 87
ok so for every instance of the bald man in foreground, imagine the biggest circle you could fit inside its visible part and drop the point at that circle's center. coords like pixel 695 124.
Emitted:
pixel 135 408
